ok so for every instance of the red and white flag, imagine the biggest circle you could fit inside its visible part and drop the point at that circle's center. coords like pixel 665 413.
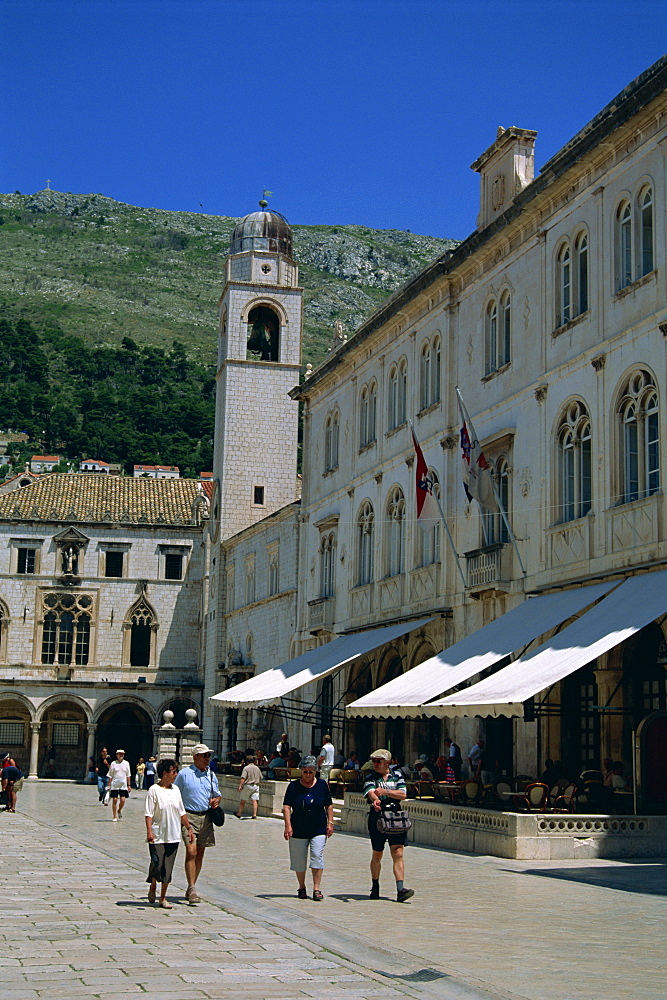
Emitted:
pixel 477 478
pixel 428 510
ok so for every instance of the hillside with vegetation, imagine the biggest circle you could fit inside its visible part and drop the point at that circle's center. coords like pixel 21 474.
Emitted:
pixel 109 318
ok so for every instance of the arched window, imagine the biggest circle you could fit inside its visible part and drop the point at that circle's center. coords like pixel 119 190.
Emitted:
pixel 402 392
pixel 327 564
pixel 437 358
pixel 430 540
pixel 575 472
pixel 365 542
pixel 263 343
pixel 392 398
pixel 367 414
pixel 581 251
pixel 141 628
pixel 66 629
pixel 646 231
pixel 623 245
pixel 491 337
pixel 564 286
pixel 395 518
pixel 425 376
pixel 640 437
pixel 331 441
pixel 505 341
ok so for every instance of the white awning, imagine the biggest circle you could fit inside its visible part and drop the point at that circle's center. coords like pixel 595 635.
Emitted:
pixel 406 696
pixel 636 603
pixel 268 687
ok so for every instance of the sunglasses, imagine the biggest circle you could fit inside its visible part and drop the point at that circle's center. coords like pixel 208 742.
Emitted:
pixel 376 760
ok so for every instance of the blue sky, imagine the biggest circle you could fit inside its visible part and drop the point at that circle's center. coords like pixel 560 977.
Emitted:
pixel 350 111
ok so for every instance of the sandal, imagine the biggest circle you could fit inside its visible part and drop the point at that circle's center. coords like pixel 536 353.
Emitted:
pixel 302 894
pixel 165 905
pixel 151 895
pixel 317 896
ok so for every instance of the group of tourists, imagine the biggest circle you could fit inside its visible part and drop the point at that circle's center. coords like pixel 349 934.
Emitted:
pixel 179 806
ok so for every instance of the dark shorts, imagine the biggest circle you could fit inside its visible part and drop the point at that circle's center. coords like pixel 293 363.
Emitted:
pixel 378 840
pixel 116 792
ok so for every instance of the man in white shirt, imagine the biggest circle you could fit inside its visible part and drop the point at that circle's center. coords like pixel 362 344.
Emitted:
pixel 326 757
pixel 118 784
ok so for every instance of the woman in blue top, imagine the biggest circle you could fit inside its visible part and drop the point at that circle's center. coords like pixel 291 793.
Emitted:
pixel 308 815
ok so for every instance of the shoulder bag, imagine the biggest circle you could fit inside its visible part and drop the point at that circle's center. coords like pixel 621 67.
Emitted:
pixel 216 814
pixel 393 819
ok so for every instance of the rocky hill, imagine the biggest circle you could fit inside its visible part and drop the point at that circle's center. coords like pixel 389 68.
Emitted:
pixel 105 270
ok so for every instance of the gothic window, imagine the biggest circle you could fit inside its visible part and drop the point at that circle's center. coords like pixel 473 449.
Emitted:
pixel 640 438
pixel 368 415
pixel 250 580
pixel 430 539
pixel 497 333
pixel 142 627
pixel 229 595
pixel 331 435
pixel 327 563
pixel 504 341
pixel 645 211
pixel 263 334
pixel 66 629
pixel 402 397
pixel 395 517
pixel 392 399
pixel 575 467
pixel 365 542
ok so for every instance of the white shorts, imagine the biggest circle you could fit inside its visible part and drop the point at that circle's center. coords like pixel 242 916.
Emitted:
pixel 298 852
pixel 250 792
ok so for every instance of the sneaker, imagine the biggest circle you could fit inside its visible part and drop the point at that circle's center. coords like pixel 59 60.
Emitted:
pixel 404 895
pixel 191 896
pixel 115 819
pixel 375 893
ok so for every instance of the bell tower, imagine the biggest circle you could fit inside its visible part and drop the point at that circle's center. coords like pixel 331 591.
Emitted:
pixel 259 356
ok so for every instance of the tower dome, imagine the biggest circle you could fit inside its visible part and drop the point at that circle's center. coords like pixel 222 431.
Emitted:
pixel 262 230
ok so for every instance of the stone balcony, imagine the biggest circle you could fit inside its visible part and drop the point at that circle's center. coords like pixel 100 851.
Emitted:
pixel 321 614
pixel 489 569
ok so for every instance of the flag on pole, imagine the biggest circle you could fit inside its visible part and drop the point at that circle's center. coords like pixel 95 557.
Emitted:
pixel 477 478
pixel 428 512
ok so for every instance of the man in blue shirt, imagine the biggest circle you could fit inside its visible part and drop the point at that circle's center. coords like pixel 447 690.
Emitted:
pixel 200 792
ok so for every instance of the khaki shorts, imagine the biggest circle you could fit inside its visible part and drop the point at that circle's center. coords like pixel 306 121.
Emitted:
pixel 203 828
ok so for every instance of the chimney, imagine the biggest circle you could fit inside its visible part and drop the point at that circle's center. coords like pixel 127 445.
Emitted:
pixel 505 169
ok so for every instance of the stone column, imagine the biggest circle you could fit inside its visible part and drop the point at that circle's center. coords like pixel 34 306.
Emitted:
pixel 34 751
pixel 167 740
pixel 90 750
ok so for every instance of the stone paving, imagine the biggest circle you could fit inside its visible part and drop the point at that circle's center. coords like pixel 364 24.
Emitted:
pixel 76 922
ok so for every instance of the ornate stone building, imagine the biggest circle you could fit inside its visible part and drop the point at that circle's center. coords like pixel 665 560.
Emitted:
pixel 100 615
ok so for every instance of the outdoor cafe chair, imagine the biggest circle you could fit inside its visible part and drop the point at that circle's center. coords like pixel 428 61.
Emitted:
pixel 503 792
pixel 281 773
pixel 566 800
pixel 471 792
pixel 349 780
pixel 534 799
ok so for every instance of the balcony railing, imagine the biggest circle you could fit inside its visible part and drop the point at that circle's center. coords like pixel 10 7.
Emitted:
pixel 489 568
pixel 322 613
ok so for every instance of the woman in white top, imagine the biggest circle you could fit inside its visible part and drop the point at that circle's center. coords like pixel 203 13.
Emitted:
pixel 165 814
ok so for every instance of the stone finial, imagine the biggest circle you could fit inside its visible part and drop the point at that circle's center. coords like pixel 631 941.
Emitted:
pixel 500 131
pixel 309 370
pixel 167 715
pixel 191 716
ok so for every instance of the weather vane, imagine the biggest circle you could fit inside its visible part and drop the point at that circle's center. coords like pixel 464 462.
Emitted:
pixel 265 194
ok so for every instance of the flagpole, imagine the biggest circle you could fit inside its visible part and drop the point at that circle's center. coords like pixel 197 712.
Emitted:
pixel 451 542
pixel 467 420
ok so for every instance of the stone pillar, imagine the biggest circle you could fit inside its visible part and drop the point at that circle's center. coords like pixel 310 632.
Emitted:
pixel 34 751
pixel 90 750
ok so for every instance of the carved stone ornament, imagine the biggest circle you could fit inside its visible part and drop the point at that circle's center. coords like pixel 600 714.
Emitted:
pixel 449 442
pixel 598 363
pixel 525 482
pixel 541 393
pixel 663 329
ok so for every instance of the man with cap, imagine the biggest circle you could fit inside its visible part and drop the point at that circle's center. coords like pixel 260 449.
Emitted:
pixel 199 790
pixel 118 783
pixel 383 786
